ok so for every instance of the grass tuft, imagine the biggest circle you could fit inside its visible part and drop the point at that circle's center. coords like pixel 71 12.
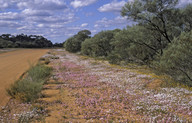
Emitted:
pixel 29 88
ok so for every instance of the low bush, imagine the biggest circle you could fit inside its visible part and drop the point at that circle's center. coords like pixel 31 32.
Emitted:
pixel 29 88
pixel 25 90
pixel 39 73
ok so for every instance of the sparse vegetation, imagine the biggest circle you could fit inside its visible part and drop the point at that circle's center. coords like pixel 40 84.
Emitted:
pixel 29 88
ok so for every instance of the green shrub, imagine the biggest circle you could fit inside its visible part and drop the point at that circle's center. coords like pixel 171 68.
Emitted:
pixel 29 88
pixel 99 45
pixel 135 44
pixel 25 90
pixel 177 59
pixel 87 47
pixel 39 72
pixel 73 44
pixel 114 58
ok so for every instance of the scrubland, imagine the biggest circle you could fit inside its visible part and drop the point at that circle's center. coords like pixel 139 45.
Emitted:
pixel 82 89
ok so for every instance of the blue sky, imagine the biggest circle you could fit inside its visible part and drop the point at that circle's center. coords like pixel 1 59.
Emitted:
pixel 57 20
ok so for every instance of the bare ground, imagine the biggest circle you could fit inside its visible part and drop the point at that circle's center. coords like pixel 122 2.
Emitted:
pixel 12 65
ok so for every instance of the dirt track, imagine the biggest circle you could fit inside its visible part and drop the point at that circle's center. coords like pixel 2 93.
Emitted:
pixel 12 65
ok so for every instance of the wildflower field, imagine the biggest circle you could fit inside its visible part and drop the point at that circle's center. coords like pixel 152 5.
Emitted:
pixel 96 91
pixel 82 89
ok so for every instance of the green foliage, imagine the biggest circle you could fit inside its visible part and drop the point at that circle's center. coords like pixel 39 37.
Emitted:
pixel 24 41
pixel 157 36
pixel 160 16
pixel 134 44
pixel 25 90
pixel 115 58
pixel 177 59
pixel 87 46
pixel 186 24
pixel 99 45
pixel 73 44
pixel 162 33
pixel 58 45
pixel 84 33
pixel 39 73
pixel 5 44
pixel 29 88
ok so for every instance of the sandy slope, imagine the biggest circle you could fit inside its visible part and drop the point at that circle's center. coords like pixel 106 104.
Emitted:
pixel 12 65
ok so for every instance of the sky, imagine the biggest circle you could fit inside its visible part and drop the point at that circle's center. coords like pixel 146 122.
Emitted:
pixel 58 20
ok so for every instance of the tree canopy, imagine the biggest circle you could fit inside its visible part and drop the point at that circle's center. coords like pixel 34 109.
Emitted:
pixel 177 59
pixel 160 16
pixel 73 44
pixel 100 44
pixel 24 41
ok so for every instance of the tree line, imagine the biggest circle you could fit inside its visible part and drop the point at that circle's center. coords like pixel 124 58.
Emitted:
pixel 26 41
pixel 162 39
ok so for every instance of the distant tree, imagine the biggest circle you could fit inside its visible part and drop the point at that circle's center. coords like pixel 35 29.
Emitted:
pixel 6 36
pixel 73 44
pixel 100 44
pixel 58 45
pixel 24 41
pixel 5 43
pixel 1 43
pixel 84 32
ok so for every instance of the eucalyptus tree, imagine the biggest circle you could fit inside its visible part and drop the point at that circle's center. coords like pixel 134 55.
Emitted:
pixel 177 59
pixel 159 16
